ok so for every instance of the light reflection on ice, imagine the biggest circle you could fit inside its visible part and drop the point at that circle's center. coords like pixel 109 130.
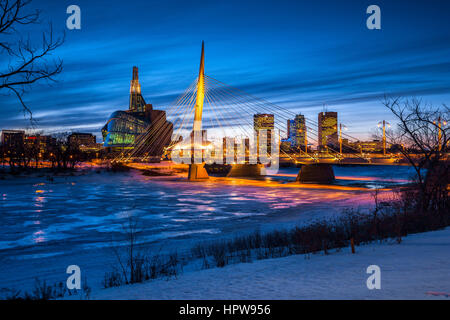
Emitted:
pixel 38 236
pixel 86 211
pixel 248 214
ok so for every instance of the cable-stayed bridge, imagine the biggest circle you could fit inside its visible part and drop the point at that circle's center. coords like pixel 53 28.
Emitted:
pixel 220 110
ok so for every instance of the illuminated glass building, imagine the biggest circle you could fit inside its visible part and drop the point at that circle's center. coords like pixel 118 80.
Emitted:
pixel 125 128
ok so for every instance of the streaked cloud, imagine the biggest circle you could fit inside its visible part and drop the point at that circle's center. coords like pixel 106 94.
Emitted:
pixel 299 55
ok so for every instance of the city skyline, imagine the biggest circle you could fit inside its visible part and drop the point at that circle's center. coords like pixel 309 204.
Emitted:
pixel 210 153
pixel 298 62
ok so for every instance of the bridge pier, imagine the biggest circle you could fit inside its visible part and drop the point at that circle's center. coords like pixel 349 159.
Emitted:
pixel 246 170
pixel 197 172
pixel 318 172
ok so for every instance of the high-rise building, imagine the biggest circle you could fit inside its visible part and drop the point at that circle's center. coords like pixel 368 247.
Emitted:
pixel 266 122
pixel 297 131
pixel 300 131
pixel 328 135
pixel 291 131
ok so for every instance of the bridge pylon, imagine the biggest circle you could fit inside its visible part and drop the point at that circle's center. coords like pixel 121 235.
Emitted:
pixel 197 171
pixel 316 173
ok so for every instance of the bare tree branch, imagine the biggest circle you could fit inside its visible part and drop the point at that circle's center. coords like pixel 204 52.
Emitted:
pixel 424 136
pixel 28 62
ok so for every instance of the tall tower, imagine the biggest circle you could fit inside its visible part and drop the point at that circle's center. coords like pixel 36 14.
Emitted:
pixel 197 170
pixel 200 92
pixel 264 122
pixel 137 102
pixel 300 131
pixel 327 130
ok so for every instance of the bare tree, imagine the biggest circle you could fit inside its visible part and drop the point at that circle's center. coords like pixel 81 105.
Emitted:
pixel 64 154
pixel 28 61
pixel 424 136
pixel 131 266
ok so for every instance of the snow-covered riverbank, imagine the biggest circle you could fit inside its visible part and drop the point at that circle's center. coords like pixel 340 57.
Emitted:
pixel 418 268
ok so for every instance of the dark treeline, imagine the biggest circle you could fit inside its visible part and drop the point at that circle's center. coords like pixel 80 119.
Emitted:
pixel 59 154
pixel 388 220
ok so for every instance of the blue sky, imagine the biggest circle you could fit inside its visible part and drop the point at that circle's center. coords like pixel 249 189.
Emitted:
pixel 297 54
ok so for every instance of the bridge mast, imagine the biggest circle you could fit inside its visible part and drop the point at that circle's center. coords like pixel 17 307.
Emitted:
pixel 197 171
pixel 200 92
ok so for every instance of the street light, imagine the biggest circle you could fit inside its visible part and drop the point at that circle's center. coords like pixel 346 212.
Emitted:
pixel 306 141
pixel 341 127
pixel 440 122
pixel 384 123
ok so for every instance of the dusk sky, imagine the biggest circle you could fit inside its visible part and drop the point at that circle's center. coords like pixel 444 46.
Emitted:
pixel 297 54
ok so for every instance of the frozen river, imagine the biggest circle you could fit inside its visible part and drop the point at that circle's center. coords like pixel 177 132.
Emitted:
pixel 47 226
